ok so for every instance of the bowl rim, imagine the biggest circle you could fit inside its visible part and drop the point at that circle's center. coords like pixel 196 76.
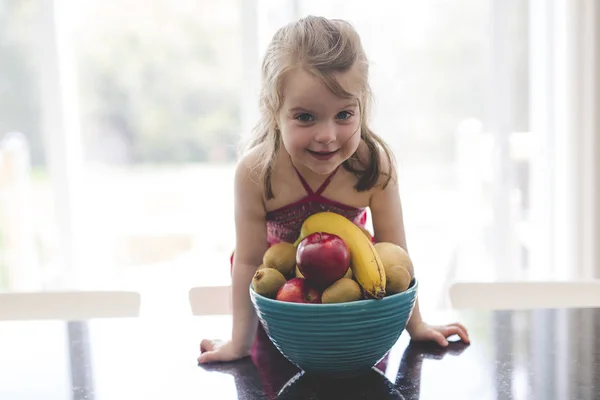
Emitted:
pixel 412 290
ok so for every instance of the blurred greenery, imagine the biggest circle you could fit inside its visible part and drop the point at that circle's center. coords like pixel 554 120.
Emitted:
pixel 19 84
pixel 444 74
pixel 162 84
pixel 157 84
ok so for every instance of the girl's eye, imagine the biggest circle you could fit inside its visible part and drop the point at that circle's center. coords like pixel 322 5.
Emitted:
pixel 305 117
pixel 344 115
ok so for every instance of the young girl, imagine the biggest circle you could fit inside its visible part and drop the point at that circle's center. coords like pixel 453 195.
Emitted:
pixel 312 151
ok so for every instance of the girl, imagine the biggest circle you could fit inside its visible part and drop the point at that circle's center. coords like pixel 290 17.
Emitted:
pixel 312 151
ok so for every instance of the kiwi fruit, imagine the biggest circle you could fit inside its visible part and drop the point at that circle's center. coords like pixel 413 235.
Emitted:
pixel 282 257
pixel 341 291
pixel 392 254
pixel 267 282
pixel 397 279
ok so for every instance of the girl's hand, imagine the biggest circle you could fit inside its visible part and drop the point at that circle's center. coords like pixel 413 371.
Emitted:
pixel 217 350
pixel 439 333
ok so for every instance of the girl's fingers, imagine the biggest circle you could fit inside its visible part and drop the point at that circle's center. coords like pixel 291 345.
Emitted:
pixel 455 330
pixel 439 338
pixel 209 351
pixel 461 326
pixel 208 356
pixel 208 345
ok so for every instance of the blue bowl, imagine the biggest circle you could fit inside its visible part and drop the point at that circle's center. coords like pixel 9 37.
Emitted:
pixel 339 339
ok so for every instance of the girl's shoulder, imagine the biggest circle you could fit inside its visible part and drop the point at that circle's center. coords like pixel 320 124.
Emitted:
pixel 248 169
pixel 248 198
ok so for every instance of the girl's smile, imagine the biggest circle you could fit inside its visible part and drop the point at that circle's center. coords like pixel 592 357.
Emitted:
pixel 322 155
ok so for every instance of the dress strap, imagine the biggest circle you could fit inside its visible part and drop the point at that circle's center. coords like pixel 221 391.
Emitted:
pixel 303 181
pixel 324 185
pixel 321 188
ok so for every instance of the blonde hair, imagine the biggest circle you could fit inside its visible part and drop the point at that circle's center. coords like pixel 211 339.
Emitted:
pixel 322 47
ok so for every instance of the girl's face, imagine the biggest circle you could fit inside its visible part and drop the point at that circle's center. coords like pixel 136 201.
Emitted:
pixel 319 130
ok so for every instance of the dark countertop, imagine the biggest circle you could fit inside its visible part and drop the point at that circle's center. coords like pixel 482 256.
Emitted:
pixel 538 354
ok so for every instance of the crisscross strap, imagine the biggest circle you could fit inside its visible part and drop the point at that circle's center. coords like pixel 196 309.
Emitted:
pixel 321 188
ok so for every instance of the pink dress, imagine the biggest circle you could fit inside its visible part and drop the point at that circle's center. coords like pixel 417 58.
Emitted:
pixel 284 224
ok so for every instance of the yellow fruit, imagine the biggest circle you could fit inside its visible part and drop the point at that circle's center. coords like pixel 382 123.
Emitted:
pixel 367 233
pixel 392 254
pixel 398 279
pixel 366 265
pixel 348 273
pixel 298 273
pixel 267 281
pixel 341 291
pixel 282 257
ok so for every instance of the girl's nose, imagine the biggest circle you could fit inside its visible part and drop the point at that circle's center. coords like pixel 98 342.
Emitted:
pixel 326 133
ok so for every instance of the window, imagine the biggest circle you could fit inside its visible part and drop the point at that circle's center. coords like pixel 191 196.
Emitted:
pixel 131 116
pixel 28 222
pixel 450 81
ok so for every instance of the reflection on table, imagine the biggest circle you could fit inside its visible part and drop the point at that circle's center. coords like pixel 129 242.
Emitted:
pixel 539 354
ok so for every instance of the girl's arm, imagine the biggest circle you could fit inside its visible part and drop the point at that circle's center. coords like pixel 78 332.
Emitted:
pixel 388 226
pixel 251 244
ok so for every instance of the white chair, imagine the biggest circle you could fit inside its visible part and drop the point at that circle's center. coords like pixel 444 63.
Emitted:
pixel 525 295
pixel 210 300
pixel 68 305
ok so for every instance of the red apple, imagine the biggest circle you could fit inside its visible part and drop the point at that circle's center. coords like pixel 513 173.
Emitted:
pixel 323 258
pixel 297 290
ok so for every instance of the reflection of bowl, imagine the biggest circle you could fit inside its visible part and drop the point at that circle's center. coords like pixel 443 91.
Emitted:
pixel 336 339
pixel 370 385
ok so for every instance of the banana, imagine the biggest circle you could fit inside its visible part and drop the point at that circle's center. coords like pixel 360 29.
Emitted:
pixel 366 265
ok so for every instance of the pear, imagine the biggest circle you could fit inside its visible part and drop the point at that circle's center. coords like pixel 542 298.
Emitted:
pixel 392 254
pixel 341 291
pixel 397 279
pixel 349 274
